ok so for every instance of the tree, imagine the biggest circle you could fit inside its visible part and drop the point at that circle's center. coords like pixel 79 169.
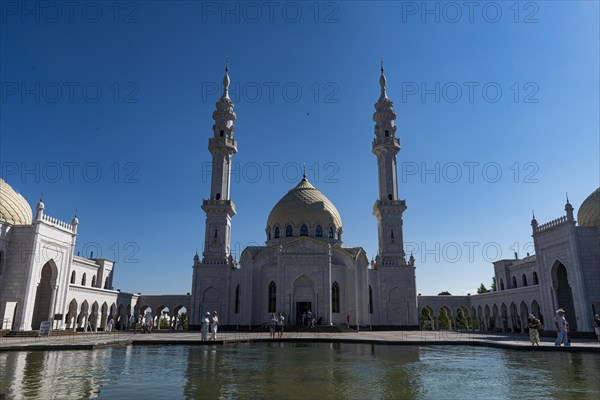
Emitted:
pixel 493 287
pixel 445 293
pixel 482 289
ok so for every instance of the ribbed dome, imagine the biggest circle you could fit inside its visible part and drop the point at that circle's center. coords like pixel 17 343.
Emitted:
pixel 305 204
pixel 14 209
pixel 589 212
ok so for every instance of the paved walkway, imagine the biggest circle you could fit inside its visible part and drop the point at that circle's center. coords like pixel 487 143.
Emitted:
pixel 88 341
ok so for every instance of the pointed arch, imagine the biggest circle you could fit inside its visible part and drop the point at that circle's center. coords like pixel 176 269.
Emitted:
pixel 330 232
pixel 83 279
pixel 276 232
pixel 94 281
pixel 535 278
pixel 319 231
pixel 289 231
pixel 524 280
pixel 73 276
pixel 370 300
pixel 335 297
pixel 303 230
pixel 272 299
pixel 43 297
pixel 514 282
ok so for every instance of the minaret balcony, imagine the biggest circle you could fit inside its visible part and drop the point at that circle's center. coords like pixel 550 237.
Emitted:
pixel 221 143
pixel 389 207
pixel 218 207
pixel 386 141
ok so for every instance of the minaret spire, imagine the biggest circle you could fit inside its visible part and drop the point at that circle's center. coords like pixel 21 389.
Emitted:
pixel 226 81
pixel 382 82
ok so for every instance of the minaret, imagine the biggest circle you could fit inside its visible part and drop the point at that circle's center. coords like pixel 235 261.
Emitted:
pixel 388 208
pixel 219 208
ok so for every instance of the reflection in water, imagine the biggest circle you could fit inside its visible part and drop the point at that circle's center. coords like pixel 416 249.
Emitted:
pixel 300 370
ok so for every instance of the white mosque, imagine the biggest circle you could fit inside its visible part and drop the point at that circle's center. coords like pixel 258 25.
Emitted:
pixel 302 266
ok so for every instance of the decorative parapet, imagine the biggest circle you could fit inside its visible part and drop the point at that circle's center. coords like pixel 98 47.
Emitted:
pixel 552 224
pixel 57 223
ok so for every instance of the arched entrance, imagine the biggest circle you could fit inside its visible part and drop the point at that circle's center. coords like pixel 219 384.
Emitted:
pixel 304 299
pixel 43 297
pixel 564 294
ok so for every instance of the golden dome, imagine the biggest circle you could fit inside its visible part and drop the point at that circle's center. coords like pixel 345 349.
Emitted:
pixel 14 209
pixel 305 204
pixel 589 212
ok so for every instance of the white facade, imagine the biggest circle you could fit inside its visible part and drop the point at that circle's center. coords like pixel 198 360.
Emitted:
pixel 303 265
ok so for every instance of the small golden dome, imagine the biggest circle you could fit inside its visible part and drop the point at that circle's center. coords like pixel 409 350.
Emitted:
pixel 14 209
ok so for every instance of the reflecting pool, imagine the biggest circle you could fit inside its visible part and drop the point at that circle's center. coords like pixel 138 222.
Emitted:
pixel 299 370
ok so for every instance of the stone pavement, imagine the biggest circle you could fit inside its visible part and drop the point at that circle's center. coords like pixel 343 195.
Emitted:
pixel 89 341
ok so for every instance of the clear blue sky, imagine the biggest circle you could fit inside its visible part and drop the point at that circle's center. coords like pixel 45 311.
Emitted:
pixel 108 110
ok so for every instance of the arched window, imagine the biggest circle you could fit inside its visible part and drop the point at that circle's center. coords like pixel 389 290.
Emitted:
pixel 303 230
pixel 535 278
pixel 335 297
pixel 370 300
pixel 276 232
pixel 387 133
pixel 237 299
pixel 216 234
pixel 524 280
pixel 83 279
pixel 272 297
pixel 330 232
pixel 106 283
pixel 319 231
pixel 390 197
pixel 269 235
pixel 218 196
pixel 339 232
pixel 94 281
pixel 501 284
pixel 221 132
pixel 392 234
pixel 514 282
pixel 289 231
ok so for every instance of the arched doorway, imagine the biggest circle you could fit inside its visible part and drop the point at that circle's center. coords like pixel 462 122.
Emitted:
pixel 564 294
pixel 43 297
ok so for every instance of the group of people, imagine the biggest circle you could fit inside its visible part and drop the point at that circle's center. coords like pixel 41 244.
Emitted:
pixel 563 333
pixel 276 324
pixel 210 321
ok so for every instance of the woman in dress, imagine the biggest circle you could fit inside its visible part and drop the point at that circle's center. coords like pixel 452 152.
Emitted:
pixel 214 325
pixel 534 335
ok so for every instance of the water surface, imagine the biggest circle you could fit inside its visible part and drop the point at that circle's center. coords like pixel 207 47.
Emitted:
pixel 295 371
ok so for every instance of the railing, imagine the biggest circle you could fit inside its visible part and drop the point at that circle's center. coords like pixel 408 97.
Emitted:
pixel 554 223
pixel 56 222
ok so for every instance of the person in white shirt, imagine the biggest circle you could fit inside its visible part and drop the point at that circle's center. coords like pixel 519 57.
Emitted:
pixel 561 328
pixel 214 325
pixel 205 323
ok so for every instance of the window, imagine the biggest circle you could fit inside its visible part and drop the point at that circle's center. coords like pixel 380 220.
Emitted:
pixel 289 231
pixel 237 299
pixel 272 297
pixel 501 284
pixel 535 278
pixel 514 282
pixel 218 196
pixel 94 281
pixel 319 231
pixel 269 235
pixel 392 234
pixel 73 277
pixel 524 280
pixel 330 232
pixel 387 133
pixel 370 300
pixel 83 280
pixel 335 297
pixel 390 197
pixel 303 230
pixel 276 232
pixel 222 132
pixel 106 283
